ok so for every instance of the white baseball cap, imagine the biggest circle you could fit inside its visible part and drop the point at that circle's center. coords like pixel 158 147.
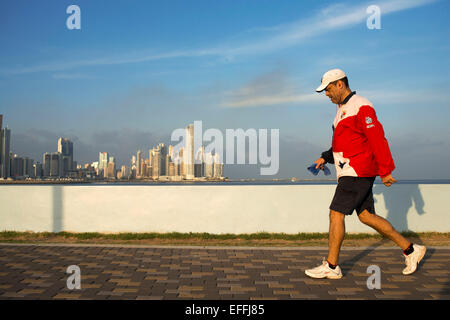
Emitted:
pixel 330 76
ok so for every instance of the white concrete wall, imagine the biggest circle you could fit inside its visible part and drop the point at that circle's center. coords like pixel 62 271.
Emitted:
pixel 213 209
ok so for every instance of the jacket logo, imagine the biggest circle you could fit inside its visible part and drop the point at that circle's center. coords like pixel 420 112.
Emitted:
pixel 343 114
pixel 368 120
pixel 342 164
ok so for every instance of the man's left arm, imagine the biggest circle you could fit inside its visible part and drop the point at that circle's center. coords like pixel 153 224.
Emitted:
pixel 373 130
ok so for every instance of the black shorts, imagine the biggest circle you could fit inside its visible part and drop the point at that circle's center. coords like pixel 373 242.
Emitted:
pixel 353 193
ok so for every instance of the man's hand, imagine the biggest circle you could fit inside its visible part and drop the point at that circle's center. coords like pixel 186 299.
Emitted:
pixel 319 163
pixel 388 180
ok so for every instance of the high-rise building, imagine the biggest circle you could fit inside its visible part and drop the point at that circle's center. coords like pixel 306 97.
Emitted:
pixel 65 147
pixel 145 169
pixel 5 167
pixel 139 159
pixel 66 164
pixel 38 170
pixel 199 166
pixel 218 167
pixel 172 168
pixel 189 152
pixel 162 165
pixel 209 165
pixel 156 163
pixel 132 166
pixel 17 169
pixel 103 159
pixel 124 172
pixel 151 156
pixel 56 166
pixel 110 171
pixel 167 164
pixel 46 159
pixel 180 163
pixel 52 164
pixel 28 167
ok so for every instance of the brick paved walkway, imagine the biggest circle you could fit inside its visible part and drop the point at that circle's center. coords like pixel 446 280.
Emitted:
pixel 138 272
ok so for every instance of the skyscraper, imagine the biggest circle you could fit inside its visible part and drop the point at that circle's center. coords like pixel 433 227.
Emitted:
pixel 139 159
pixel 170 152
pixel 110 171
pixel 209 165
pixel 17 166
pixel 144 169
pixel 189 152
pixel 167 164
pixel 46 159
pixel 103 159
pixel 156 163
pixel 162 166
pixel 52 164
pixel 172 169
pixel 65 165
pixel 218 167
pixel 56 167
pixel 199 167
pixel 28 167
pixel 65 147
pixel 38 171
pixel 124 172
pixel 180 163
pixel 5 171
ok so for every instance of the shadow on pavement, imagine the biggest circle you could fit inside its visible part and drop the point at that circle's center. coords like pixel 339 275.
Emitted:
pixel 428 255
pixel 349 264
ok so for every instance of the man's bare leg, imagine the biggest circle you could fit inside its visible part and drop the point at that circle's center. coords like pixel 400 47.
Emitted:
pixel 336 236
pixel 384 227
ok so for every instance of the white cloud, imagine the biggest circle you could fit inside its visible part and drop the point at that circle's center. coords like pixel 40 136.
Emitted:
pixel 70 76
pixel 280 99
pixel 269 89
pixel 331 18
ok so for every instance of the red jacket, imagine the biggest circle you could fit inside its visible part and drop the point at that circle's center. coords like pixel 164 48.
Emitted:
pixel 359 147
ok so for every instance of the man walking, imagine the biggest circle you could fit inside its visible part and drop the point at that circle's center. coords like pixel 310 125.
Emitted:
pixel 360 152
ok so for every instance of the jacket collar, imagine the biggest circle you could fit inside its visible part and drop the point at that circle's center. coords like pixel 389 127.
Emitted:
pixel 348 98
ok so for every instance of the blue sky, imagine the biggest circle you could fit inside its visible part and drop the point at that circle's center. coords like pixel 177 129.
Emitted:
pixel 137 70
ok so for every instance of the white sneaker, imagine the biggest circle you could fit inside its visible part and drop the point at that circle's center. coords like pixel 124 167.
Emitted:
pixel 324 271
pixel 412 260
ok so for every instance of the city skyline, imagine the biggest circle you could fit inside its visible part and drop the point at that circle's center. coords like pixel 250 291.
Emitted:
pixel 130 75
pixel 163 164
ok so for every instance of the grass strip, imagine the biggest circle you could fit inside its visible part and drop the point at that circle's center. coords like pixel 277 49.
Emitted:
pixel 12 235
